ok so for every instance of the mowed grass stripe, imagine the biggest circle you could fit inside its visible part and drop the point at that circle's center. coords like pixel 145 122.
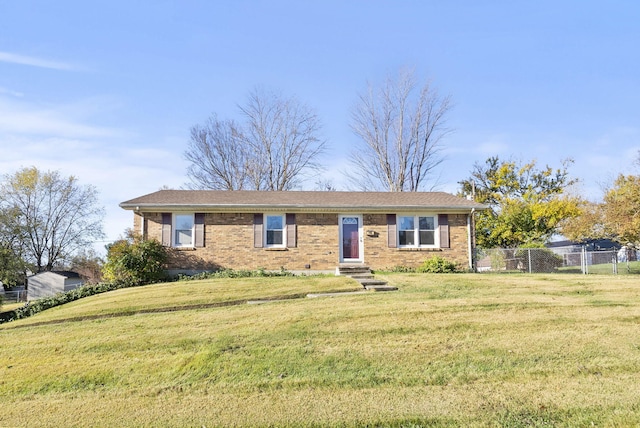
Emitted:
pixel 189 295
pixel 445 350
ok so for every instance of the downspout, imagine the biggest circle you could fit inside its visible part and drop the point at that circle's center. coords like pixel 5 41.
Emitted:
pixel 469 237
pixel 141 215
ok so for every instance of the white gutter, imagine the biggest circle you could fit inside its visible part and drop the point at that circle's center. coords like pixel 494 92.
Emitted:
pixel 240 208
pixel 469 237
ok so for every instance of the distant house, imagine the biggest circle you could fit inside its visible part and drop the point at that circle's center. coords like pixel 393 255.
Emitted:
pixel 45 284
pixel 597 251
pixel 566 246
pixel 299 230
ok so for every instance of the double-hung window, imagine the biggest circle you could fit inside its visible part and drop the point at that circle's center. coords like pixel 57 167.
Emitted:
pixel 183 230
pixel 406 231
pixel 275 230
pixel 416 231
pixel 426 230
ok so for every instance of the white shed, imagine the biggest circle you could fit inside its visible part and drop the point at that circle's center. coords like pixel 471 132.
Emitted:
pixel 45 284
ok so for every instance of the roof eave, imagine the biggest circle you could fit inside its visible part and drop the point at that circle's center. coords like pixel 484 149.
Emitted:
pixel 298 208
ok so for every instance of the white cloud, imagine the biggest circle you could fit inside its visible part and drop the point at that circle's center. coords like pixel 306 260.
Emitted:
pixel 10 92
pixel 476 144
pixel 118 162
pixel 29 119
pixel 619 136
pixel 36 62
pixel 118 172
pixel 632 153
pixel 492 148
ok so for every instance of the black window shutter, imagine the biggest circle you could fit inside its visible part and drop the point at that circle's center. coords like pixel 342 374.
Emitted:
pixel 443 224
pixel 257 230
pixel 291 231
pixel 166 229
pixel 199 230
pixel 391 231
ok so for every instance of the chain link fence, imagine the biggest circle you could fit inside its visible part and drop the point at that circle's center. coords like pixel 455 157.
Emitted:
pixel 14 296
pixel 560 260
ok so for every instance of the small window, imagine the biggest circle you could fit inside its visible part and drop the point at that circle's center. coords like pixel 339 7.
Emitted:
pixel 183 235
pixel 416 231
pixel 275 230
pixel 406 231
pixel 427 231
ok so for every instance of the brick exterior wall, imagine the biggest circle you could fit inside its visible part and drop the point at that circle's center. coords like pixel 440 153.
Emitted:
pixel 229 243
pixel 379 256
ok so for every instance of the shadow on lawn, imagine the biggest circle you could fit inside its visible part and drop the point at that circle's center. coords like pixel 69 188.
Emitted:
pixel 159 310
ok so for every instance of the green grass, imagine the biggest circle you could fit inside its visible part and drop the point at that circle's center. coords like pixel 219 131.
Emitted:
pixel 11 306
pixel 444 350
pixel 624 268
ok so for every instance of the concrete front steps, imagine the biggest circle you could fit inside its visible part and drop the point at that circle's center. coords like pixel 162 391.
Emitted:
pixel 363 275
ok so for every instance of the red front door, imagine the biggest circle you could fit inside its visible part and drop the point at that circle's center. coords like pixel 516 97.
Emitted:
pixel 350 238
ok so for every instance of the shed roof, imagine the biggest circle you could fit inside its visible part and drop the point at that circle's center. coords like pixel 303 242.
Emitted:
pixel 240 200
pixel 64 273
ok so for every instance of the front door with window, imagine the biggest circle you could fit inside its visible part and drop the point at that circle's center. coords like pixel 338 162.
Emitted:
pixel 351 242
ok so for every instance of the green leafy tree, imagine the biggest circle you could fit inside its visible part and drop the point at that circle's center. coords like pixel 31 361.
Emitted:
pixel 590 224
pixel 134 261
pixel 13 267
pixel 617 217
pixel 56 216
pixel 621 210
pixel 527 204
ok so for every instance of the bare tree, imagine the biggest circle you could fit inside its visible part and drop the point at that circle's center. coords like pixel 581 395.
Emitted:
pixel 57 215
pixel 401 126
pixel 217 155
pixel 273 149
pixel 325 185
pixel 88 264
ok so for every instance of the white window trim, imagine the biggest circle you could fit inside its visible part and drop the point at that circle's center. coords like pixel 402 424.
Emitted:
pixel 416 230
pixel 265 230
pixel 174 230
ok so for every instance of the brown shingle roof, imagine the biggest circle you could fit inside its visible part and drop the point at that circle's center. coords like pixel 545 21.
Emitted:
pixel 209 200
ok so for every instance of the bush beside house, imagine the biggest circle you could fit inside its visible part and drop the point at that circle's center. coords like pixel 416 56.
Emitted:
pixel 135 261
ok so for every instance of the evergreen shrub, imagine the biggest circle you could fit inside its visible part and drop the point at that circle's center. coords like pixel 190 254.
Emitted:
pixel 438 264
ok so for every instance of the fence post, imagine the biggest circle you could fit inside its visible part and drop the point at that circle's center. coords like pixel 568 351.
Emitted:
pixel 586 260
pixel 529 256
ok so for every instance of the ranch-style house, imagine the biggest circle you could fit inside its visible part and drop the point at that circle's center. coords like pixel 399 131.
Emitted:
pixel 305 230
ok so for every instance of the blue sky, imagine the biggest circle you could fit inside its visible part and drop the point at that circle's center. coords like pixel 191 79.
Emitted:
pixel 107 90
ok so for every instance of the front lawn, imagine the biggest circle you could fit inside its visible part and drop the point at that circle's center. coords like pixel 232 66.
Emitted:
pixel 11 306
pixel 444 350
